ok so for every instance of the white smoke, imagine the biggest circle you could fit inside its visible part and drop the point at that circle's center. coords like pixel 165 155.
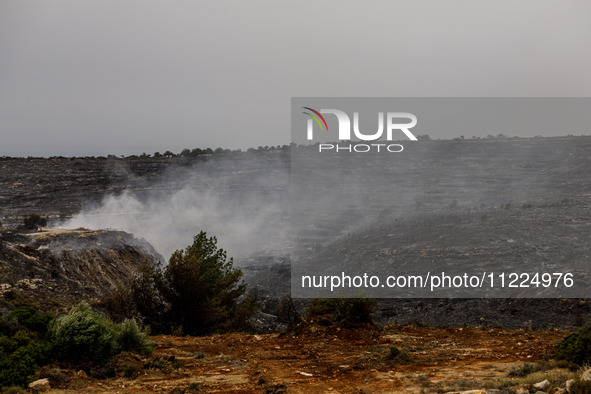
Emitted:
pixel 242 203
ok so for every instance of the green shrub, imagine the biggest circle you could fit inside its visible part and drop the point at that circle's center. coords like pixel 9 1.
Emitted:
pixel 580 387
pixel 130 337
pixel 31 319
pixel 130 371
pixel 83 335
pixel 17 369
pixel 576 347
pixel 21 350
pixel 178 364
pixel 156 363
pixel 19 358
pixel 198 355
pixel 395 354
pixel 524 370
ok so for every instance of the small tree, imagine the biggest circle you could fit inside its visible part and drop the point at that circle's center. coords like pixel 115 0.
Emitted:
pixel 197 293
pixel 203 288
pixel 343 311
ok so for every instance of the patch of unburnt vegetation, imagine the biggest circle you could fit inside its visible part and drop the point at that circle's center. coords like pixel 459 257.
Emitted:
pixel 82 339
pixel 199 292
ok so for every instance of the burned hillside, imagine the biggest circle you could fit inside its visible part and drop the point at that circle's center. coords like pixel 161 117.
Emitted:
pixel 55 269
pixel 449 201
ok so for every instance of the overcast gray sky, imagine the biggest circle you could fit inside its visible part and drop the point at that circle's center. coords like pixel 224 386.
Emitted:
pixel 125 77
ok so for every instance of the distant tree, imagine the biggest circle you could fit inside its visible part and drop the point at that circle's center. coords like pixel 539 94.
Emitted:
pixel 168 154
pixel 185 152
pixel 157 155
pixel 34 221
pixel 343 311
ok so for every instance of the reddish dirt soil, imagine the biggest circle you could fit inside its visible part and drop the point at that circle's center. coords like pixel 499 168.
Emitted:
pixel 322 360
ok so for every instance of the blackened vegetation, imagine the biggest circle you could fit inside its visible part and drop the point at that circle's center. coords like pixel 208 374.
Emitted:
pixel 59 187
pixel 34 221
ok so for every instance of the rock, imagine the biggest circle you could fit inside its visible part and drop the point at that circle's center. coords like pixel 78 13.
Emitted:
pixel 586 375
pixel 39 386
pixel 543 385
pixel 469 392
pixel 522 390
pixel 569 383
pixel 560 391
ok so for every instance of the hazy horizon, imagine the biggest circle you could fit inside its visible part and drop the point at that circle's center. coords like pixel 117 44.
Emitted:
pixel 107 77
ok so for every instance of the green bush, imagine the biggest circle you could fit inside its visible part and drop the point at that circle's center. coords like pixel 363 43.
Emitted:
pixel 576 347
pixel 580 387
pixel 522 371
pixel 22 351
pixel 130 337
pixel 395 354
pixel 29 340
pixel 31 319
pixel 345 311
pixel 19 358
pixel 85 336
pixel 130 371
pixel 156 363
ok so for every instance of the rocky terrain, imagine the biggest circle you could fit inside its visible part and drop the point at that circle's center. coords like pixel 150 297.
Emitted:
pixel 54 269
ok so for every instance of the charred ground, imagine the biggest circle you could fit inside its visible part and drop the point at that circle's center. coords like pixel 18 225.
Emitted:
pixel 516 183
